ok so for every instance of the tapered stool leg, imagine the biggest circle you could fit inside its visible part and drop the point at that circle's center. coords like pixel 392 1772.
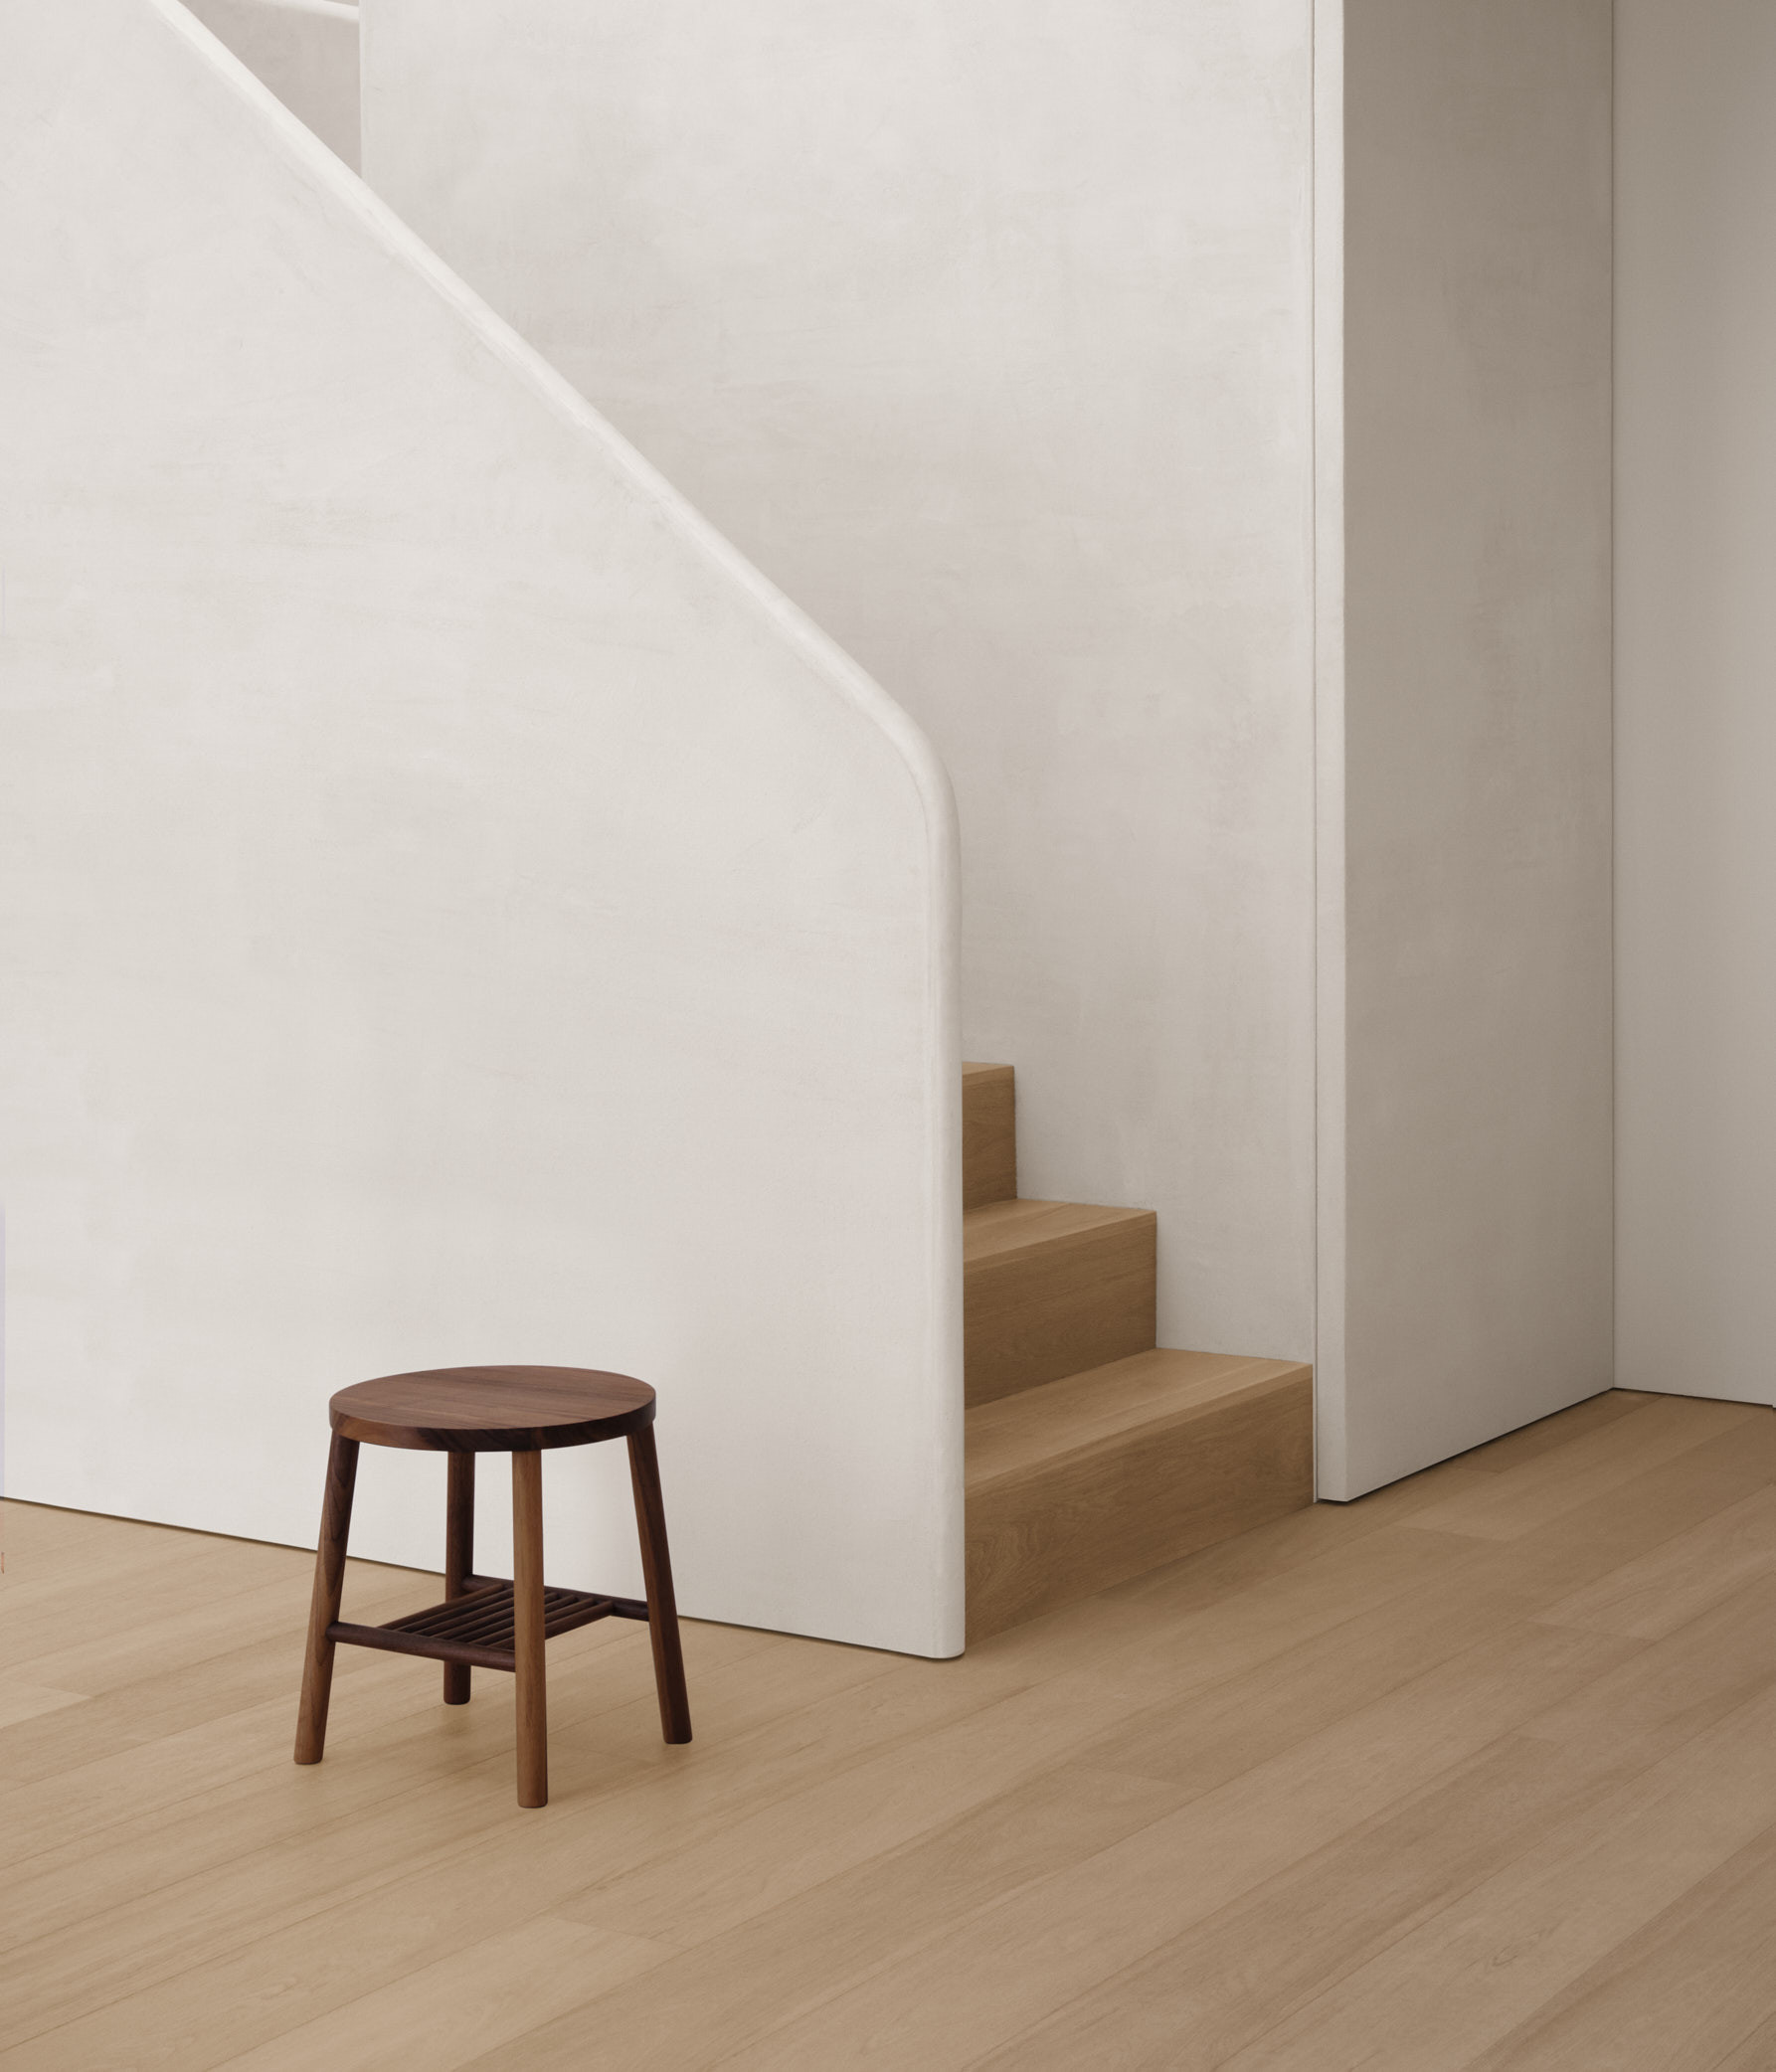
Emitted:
pixel 323 1611
pixel 527 1627
pixel 459 1558
pixel 657 1571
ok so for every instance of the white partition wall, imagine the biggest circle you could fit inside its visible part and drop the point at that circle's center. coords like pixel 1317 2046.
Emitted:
pixel 1695 695
pixel 1466 1100
pixel 450 908
pixel 985 329
pixel 454 909
pixel 1084 366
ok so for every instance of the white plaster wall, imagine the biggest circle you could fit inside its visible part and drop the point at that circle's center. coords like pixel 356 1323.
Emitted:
pixel 1472 1214
pixel 450 908
pixel 987 331
pixel 1695 695
pixel 305 50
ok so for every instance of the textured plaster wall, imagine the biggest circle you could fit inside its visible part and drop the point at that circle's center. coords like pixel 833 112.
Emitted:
pixel 987 331
pixel 451 908
pixel 1467 1181
pixel 1696 696
pixel 305 50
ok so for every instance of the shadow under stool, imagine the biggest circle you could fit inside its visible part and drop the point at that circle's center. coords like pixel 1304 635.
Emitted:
pixel 485 1623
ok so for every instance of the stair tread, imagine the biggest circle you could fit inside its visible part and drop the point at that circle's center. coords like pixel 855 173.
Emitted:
pixel 1016 1434
pixel 998 1228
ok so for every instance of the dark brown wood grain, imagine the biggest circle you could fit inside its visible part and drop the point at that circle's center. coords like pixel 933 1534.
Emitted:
pixel 329 1583
pixel 475 1631
pixel 528 1628
pixel 459 1557
pixel 484 1623
pixel 493 1409
pixel 391 1640
pixel 657 1571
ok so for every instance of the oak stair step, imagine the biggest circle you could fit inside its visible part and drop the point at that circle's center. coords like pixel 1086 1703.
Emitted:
pixel 1050 1287
pixel 988 1134
pixel 1092 1456
pixel 1090 1481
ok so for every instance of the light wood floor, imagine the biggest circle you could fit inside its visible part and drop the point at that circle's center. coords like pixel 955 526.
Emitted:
pixel 1479 1771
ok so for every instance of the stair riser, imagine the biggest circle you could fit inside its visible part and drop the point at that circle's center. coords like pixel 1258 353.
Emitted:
pixel 1047 1536
pixel 988 1134
pixel 1058 1307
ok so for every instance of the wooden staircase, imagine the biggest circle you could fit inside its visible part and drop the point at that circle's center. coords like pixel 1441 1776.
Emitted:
pixel 1092 1456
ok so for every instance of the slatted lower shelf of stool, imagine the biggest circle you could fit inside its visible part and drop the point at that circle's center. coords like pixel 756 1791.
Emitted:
pixel 476 1628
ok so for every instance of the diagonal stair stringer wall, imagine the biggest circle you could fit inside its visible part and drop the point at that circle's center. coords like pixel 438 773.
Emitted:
pixel 455 909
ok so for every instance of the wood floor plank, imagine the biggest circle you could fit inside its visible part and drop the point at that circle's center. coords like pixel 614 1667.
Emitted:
pixel 708 2000
pixel 27 1529
pixel 1006 1967
pixel 1681 1577
pixel 446 2013
pixel 92 1588
pixel 1595 1466
pixel 23 1701
pixel 1684 1993
pixel 1234 1725
pixel 1188 2008
pixel 195 1631
pixel 1477 1764
pixel 1586 1542
pixel 152 1715
pixel 1441 1997
pixel 514 1862
pixel 1530 1442
pixel 360 1830
pixel 1758 2053
pixel 1202 1994
pixel 814 1835
pixel 265 1838
pixel 1694 1675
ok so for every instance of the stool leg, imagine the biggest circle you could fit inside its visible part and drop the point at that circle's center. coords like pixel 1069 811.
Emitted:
pixel 459 1558
pixel 656 1572
pixel 527 1627
pixel 329 1581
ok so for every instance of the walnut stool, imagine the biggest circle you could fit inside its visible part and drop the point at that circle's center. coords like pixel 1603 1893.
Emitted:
pixel 484 1623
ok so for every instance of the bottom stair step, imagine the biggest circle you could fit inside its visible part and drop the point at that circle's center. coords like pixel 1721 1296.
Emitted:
pixel 1089 1480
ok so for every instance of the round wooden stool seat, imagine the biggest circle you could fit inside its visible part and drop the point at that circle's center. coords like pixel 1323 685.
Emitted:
pixel 493 1409
pixel 492 1621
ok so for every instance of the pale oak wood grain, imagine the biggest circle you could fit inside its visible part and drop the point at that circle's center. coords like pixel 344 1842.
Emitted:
pixel 22 1701
pixel 748 1978
pixel 1005 1967
pixel 1758 2053
pixel 1682 1682
pixel 1104 1475
pixel 988 1134
pixel 1051 1288
pixel 1682 1994
pixel 1591 1465
pixel 1174 1820
pixel 1683 1575
pixel 445 2014
pixel 1204 1994
pixel 1439 1998
pixel 1531 1441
